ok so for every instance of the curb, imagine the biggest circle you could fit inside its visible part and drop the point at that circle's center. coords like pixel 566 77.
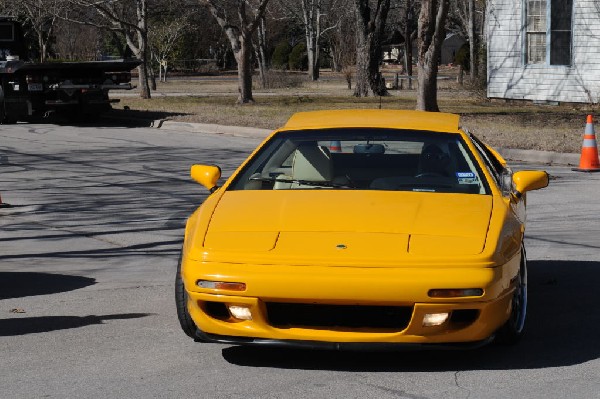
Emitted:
pixel 510 154
pixel 238 131
pixel 536 156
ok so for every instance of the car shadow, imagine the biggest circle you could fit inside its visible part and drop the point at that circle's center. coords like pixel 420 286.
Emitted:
pixel 562 330
pixel 32 325
pixel 23 284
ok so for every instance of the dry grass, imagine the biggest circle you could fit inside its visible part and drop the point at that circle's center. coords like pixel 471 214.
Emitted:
pixel 520 125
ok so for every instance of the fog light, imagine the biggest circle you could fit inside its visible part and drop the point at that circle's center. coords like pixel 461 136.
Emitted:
pixel 240 312
pixel 221 285
pixel 435 319
pixel 455 292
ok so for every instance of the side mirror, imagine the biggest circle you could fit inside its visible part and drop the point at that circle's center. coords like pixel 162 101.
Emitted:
pixel 527 180
pixel 207 175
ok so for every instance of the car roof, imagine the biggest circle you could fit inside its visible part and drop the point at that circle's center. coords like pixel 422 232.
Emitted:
pixel 375 118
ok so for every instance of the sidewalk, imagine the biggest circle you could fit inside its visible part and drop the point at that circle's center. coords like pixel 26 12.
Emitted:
pixel 510 154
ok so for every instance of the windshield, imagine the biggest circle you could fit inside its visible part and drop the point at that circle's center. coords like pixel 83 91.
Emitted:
pixel 363 159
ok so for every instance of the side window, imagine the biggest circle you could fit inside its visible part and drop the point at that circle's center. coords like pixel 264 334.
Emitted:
pixel 502 175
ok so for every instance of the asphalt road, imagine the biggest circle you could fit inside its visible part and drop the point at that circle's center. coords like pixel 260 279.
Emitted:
pixel 87 261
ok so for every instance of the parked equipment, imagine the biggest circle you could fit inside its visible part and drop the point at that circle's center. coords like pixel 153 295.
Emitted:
pixel 29 89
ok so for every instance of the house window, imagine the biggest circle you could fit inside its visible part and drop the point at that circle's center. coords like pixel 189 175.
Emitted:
pixel 549 41
pixel 536 31
pixel 560 32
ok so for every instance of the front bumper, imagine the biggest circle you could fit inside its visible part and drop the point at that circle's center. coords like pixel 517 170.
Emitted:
pixel 338 346
pixel 341 286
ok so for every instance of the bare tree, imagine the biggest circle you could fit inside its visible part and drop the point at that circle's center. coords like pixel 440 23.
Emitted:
pixel 260 50
pixel 311 11
pixel 409 34
pixel 75 41
pixel 41 16
pixel 465 12
pixel 370 26
pixel 239 33
pixel 128 17
pixel 312 15
pixel 163 36
pixel 342 37
pixel 432 20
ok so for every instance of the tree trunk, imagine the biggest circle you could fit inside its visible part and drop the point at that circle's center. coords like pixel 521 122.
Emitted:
pixel 482 46
pixel 152 78
pixel 336 65
pixel 311 11
pixel 369 30
pixel 244 64
pixel 261 57
pixel 431 35
pixel 240 38
pixel 313 56
pixel 408 41
pixel 472 41
pixel 143 81
pixel 427 89
pixel 143 68
pixel 140 47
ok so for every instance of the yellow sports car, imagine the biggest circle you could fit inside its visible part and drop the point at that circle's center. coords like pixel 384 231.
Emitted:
pixel 359 228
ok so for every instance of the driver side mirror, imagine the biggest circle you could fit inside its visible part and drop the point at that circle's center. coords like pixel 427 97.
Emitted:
pixel 207 175
pixel 527 180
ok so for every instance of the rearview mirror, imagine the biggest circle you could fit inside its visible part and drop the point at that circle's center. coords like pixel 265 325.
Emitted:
pixel 369 149
pixel 207 175
pixel 527 180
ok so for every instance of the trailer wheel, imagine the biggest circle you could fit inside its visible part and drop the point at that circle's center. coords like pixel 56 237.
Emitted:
pixel 4 120
pixel 2 111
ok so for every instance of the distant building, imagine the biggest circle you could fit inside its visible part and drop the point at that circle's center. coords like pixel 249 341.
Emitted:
pixel 393 48
pixel 544 50
pixel 450 47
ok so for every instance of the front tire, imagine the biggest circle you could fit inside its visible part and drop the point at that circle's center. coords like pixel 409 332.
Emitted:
pixel 181 299
pixel 512 331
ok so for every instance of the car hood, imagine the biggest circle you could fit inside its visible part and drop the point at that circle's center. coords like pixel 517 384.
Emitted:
pixel 385 225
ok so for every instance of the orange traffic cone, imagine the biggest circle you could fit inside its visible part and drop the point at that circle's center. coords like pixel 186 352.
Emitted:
pixel 335 146
pixel 589 161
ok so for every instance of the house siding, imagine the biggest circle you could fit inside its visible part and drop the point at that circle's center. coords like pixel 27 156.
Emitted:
pixel 510 78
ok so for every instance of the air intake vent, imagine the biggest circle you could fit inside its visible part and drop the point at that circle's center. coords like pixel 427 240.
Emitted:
pixel 287 315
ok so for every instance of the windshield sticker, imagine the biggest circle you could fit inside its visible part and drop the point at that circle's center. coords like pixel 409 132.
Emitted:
pixel 466 178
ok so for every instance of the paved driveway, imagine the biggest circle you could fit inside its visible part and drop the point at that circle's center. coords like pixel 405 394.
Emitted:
pixel 87 261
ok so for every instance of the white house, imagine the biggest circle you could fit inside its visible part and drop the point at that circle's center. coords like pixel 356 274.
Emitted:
pixel 544 50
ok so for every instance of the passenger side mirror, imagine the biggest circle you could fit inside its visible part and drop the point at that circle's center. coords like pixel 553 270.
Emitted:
pixel 207 175
pixel 527 180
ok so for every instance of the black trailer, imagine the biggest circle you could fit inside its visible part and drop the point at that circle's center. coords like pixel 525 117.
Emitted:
pixel 78 89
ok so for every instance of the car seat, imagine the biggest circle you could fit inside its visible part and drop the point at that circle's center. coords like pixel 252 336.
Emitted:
pixel 433 161
pixel 311 163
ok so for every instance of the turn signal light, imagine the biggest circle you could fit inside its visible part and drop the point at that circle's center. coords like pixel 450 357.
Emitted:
pixel 455 292
pixel 221 285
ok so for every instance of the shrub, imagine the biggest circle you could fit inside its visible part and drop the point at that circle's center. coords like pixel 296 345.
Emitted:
pixel 462 57
pixel 277 79
pixel 298 59
pixel 281 55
